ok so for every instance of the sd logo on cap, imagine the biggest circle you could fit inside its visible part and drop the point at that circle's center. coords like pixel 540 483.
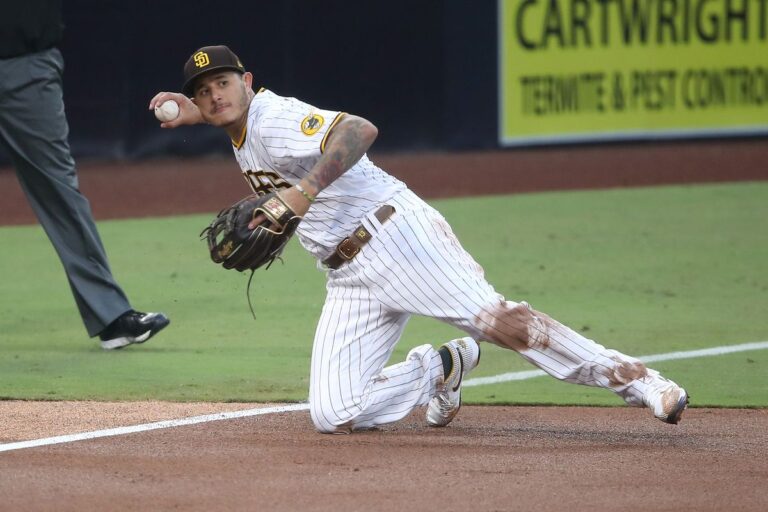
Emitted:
pixel 209 58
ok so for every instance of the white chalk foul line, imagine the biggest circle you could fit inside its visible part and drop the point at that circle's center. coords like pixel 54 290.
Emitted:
pixel 151 426
pixel 506 377
pixel 688 354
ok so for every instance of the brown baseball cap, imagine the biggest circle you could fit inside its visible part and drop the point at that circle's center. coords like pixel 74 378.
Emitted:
pixel 209 58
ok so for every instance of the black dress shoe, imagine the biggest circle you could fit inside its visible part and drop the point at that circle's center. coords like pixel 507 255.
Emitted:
pixel 132 327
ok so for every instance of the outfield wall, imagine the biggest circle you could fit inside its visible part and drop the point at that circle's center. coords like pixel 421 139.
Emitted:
pixel 425 72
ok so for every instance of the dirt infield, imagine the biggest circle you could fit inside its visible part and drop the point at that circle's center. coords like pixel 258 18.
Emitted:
pixel 490 458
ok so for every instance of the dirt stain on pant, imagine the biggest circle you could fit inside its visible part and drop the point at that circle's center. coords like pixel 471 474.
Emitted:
pixel 515 326
pixel 624 372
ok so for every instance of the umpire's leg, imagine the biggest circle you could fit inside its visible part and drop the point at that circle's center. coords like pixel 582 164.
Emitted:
pixel 34 128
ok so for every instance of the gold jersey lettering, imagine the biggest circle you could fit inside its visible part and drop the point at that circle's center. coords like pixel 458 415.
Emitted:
pixel 263 182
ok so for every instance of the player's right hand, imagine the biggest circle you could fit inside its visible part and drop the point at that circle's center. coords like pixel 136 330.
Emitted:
pixel 188 111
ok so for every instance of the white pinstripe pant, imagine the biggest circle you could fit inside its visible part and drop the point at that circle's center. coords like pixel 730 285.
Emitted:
pixel 415 265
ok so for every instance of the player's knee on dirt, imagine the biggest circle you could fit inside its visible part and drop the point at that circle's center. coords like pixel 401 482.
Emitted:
pixel 327 419
pixel 516 326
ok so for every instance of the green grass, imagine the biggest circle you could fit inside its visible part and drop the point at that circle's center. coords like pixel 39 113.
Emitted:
pixel 644 271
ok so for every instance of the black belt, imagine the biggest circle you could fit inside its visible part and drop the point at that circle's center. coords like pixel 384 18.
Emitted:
pixel 350 246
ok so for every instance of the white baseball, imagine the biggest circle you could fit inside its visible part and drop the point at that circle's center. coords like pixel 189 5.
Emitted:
pixel 167 111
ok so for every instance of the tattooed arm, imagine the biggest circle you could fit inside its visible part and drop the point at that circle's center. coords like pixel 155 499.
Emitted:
pixel 346 144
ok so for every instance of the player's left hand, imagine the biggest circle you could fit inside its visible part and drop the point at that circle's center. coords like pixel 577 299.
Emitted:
pixel 295 201
pixel 232 241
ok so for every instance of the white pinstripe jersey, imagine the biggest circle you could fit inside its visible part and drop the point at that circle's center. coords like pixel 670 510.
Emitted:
pixel 283 139
pixel 412 265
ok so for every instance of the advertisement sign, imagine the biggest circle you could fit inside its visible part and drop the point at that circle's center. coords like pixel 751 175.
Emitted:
pixel 581 70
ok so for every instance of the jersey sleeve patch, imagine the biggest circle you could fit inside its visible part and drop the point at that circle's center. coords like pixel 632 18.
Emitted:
pixel 311 124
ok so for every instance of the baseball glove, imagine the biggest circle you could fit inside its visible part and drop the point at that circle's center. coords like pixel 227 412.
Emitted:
pixel 233 245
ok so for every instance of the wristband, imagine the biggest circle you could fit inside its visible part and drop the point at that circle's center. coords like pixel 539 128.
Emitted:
pixel 305 193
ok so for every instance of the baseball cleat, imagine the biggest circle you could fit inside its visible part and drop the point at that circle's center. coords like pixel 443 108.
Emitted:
pixel 465 354
pixel 132 327
pixel 666 399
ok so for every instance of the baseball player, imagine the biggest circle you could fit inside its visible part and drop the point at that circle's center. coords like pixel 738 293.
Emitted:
pixel 388 255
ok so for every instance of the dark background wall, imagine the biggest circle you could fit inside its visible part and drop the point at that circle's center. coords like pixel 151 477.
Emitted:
pixel 424 71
